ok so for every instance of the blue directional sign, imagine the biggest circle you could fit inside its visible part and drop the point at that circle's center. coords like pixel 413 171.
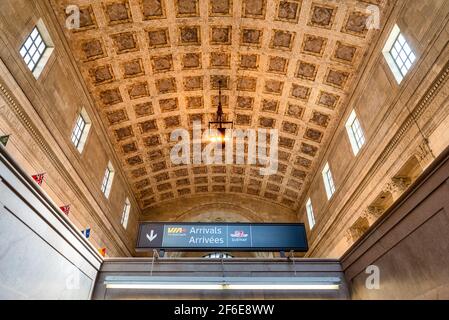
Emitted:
pixel 222 237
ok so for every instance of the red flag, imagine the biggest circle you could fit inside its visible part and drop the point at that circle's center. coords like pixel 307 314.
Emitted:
pixel 39 178
pixel 65 209
pixel 102 251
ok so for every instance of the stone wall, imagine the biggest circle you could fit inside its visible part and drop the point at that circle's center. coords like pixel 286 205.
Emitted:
pixel 397 121
pixel 409 245
pixel 226 207
pixel 43 255
pixel 40 115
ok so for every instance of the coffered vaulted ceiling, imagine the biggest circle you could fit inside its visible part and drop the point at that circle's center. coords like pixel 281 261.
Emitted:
pixel 154 65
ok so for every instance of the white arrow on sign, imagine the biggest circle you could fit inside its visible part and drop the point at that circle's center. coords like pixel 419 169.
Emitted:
pixel 152 236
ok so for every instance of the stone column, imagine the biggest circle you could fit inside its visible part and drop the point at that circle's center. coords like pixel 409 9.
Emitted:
pixel 372 213
pixel 348 238
pixel 357 230
pixel 424 155
pixel 397 186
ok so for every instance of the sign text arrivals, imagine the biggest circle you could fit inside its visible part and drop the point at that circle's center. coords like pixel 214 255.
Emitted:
pixel 200 235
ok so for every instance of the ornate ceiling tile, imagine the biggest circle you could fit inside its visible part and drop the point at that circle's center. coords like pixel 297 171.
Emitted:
pixel 158 38
pixel 87 19
pixel 356 23
pixel 345 53
pixel 277 65
pixel 306 70
pixel 314 45
pixel 254 9
pixel 220 8
pixel 117 12
pixel 320 119
pixel 118 116
pixel 189 35
pixel 153 9
pixel 93 49
pixel 288 11
pixel 102 74
pixel 322 15
pixel 251 37
pixel 249 61
pixel 187 8
pixel 282 40
pixel 125 42
pixel 328 100
pixel 294 111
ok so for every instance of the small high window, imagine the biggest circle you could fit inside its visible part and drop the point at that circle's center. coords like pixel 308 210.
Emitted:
pixel 36 49
pixel 399 55
pixel 33 49
pixel 81 131
pixel 125 213
pixel 328 181
pixel 218 255
pixel 355 133
pixel 107 180
pixel 310 214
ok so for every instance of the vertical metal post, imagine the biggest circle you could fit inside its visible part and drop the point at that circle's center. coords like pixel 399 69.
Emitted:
pixel 155 256
pixel 293 259
pixel 222 264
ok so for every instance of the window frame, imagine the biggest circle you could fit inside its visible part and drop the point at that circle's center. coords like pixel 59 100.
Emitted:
pixel 356 135
pixel 125 214
pixel 79 141
pixel 25 49
pixel 310 214
pixel 108 178
pixel 328 179
pixel 391 61
pixel 46 53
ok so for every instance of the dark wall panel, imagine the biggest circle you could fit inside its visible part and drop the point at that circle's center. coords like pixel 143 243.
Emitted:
pixel 409 245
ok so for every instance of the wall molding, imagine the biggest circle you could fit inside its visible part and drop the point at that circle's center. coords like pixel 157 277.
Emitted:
pixel 25 120
pixel 423 104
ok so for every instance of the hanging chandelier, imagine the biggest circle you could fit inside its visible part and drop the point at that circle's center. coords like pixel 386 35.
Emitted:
pixel 217 129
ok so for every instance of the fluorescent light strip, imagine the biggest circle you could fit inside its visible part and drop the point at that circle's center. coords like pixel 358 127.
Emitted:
pixel 283 287
pixel 164 286
pixel 221 286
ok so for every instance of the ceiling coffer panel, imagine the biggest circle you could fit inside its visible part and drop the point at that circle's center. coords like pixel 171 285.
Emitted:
pixel 154 65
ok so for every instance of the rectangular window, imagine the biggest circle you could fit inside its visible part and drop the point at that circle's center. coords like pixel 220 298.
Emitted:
pixel 328 181
pixel 37 49
pixel 81 131
pixel 107 180
pixel 33 49
pixel 125 213
pixel 310 214
pixel 355 133
pixel 399 55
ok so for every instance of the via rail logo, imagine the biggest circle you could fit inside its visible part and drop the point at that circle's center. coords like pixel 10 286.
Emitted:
pixel 239 236
pixel 177 231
